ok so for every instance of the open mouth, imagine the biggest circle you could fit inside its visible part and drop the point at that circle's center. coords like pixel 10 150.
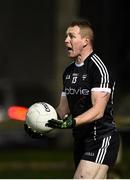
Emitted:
pixel 69 49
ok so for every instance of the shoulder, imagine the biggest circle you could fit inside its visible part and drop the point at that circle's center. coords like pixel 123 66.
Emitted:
pixel 100 67
pixel 97 61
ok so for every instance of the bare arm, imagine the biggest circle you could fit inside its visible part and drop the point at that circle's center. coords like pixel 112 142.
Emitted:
pixel 63 107
pixel 99 102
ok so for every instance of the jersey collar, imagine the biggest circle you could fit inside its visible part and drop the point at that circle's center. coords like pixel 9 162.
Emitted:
pixel 79 65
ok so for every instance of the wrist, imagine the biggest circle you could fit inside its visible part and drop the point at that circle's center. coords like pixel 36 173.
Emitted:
pixel 74 123
pixel 77 121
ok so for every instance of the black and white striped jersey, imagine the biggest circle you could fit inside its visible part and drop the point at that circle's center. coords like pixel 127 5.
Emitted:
pixel 78 83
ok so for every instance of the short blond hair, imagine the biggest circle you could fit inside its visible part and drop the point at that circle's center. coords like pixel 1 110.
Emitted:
pixel 85 28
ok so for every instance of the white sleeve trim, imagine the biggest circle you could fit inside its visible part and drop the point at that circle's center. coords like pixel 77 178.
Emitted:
pixel 63 94
pixel 101 89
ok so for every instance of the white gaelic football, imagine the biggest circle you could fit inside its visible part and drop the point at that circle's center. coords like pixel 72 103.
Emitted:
pixel 37 116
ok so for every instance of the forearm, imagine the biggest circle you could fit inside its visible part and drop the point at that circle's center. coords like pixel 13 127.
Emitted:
pixel 89 116
pixel 99 101
pixel 63 107
pixel 62 111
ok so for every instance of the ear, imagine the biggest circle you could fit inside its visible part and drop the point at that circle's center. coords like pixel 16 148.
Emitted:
pixel 86 40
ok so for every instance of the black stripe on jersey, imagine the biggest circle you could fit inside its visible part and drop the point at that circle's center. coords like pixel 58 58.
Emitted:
pixel 103 70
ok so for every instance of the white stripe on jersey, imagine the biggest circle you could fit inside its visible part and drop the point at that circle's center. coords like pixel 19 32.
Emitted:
pixel 103 70
pixel 100 72
pixel 63 93
pixel 112 92
pixel 102 151
pixel 103 65
pixel 108 90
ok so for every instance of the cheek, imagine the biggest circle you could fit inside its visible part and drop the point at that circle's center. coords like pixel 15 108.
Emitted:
pixel 79 46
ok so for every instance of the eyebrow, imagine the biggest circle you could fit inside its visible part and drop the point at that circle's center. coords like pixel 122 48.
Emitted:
pixel 70 33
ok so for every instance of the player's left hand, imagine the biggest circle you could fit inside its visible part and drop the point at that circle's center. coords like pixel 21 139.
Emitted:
pixel 31 133
pixel 66 123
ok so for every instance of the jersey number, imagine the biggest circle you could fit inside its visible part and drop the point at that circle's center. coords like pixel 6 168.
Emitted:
pixel 74 80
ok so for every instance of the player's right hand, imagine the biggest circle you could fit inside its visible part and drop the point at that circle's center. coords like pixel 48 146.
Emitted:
pixel 67 122
pixel 31 133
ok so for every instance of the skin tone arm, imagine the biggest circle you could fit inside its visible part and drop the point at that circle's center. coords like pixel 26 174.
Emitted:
pixel 63 107
pixel 99 102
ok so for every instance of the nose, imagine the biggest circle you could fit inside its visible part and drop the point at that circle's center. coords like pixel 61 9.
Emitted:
pixel 66 39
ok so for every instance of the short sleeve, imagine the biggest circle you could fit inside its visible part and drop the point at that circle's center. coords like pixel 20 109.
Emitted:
pixel 101 79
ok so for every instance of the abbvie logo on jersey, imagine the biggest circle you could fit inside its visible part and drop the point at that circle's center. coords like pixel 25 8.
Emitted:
pixel 79 91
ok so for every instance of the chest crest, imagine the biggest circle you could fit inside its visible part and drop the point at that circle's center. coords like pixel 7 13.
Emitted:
pixel 84 76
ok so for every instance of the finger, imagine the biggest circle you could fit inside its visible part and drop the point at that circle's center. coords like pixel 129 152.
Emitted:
pixel 48 124
pixel 52 125
pixel 55 121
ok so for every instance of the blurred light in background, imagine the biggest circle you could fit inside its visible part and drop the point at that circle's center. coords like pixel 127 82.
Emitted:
pixel 17 113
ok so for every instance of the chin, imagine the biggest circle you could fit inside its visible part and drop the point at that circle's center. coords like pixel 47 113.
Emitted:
pixel 71 56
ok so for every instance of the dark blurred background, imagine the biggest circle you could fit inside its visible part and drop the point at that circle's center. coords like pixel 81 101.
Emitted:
pixel 32 59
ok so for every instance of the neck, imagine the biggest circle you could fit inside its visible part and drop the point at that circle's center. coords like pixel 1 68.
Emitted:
pixel 81 58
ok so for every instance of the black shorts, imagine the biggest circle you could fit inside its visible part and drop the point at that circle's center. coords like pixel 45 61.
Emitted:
pixel 103 150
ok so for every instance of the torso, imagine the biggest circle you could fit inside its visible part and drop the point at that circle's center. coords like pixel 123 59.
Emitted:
pixel 78 82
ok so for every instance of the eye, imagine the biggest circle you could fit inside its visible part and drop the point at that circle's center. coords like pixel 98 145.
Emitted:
pixel 72 36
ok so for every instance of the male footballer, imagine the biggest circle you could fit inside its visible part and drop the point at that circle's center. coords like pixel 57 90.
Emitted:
pixel 88 99
pixel 86 105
